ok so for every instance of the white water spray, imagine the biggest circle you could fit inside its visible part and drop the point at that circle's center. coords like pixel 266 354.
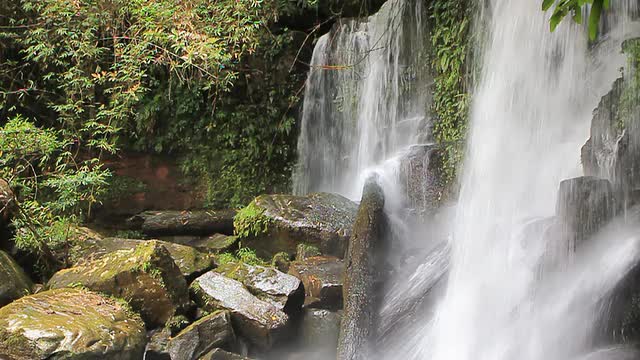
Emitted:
pixel 530 116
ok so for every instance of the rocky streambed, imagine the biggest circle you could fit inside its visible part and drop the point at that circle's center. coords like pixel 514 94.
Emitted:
pixel 274 287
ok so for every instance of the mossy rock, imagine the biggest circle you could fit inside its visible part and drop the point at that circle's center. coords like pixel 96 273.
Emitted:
pixel 146 276
pixel 217 243
pixel 192 262
pixel 210 332
pixel 304 251
pixel 219 354
pixel 72 324
pixel 14 283
pixel 278 223
pixel 281 261
pixel 282 290
pixel 258 321
pixel 323 279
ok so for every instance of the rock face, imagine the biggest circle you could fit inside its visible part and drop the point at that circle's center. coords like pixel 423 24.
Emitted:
pixel 422 178
pixel 14 283
pixel 363 276
pixel 323 277
pixel 584 205
pixel 210 332
pixel 70 324
pixel 259 321
pixel 217 243
pixel 319 331
pixel 322 220
pixel 282 290
pixel 146 276
pixel 201 222
pixel 190 261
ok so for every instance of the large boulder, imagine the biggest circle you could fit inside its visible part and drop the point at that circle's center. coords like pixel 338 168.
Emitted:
pixel 584 205
pixel 282 290
pixel 259 321
pixel 364 276
pixel 146 276
pixel 191 262
pixel 70 324
pixel 196 222
pixel 323 277
pixel 14 283
pixel 210 332
pixel 278 223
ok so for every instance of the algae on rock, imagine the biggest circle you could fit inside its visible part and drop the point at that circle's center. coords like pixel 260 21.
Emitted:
pixel 70 324
pixel 146 276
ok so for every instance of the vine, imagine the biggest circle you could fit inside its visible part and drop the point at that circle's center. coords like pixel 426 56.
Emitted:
pixel 450 45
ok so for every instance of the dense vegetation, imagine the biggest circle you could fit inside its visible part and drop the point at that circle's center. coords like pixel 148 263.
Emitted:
pixel 87 80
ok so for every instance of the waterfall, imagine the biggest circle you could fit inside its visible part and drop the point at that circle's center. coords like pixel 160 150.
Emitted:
pixel 366 98
pixel 530 116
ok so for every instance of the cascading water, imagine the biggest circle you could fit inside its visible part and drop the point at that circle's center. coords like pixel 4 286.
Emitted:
pixel 366 98
pixel 530 117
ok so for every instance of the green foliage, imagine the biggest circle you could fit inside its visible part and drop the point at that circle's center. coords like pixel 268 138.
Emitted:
pixel 251 221
pixel 630 97
pixel 130 234
pixel 575 8
pixel 245 255
pixel 450 46
pixel 54 188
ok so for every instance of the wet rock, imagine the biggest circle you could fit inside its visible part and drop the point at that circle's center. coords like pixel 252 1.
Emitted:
pixel 584 205
pixel 217 243
pixel 14 283
pixel 282 290
pixel 422 179
pixel 146 276
pixel 362 285
pixel 210 332
pixel 219 354
pixel 322 277
pixel 70 324
pixel 319 331
pixel 190 261
pixel 599 152
pixel 259 321
pixel 278 223
pixel 200 222
pixel 156 348
pixel 304 251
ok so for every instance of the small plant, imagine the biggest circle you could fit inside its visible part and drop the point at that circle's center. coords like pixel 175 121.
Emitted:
pixel 251 221
pixel 248 256
pixel 130 234
pixel 226 258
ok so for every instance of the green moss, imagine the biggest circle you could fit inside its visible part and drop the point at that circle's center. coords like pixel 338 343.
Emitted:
pixel 630 98
pixel 251 221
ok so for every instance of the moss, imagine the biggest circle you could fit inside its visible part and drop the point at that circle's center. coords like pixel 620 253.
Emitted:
pixel 281 261
pixel 251 221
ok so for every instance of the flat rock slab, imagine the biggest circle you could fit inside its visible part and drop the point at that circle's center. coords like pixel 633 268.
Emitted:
pixel 259 321
pixel 70 324
pixel 146 276
pixel 323 278
pixel 197 222
pixel 190 261
pixel 320 219
pixel 14 283
pixel 210 332
pixel 282 290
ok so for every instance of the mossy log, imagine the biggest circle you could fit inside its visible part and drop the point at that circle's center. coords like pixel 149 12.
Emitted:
pixel 197 222
pixel 362 274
